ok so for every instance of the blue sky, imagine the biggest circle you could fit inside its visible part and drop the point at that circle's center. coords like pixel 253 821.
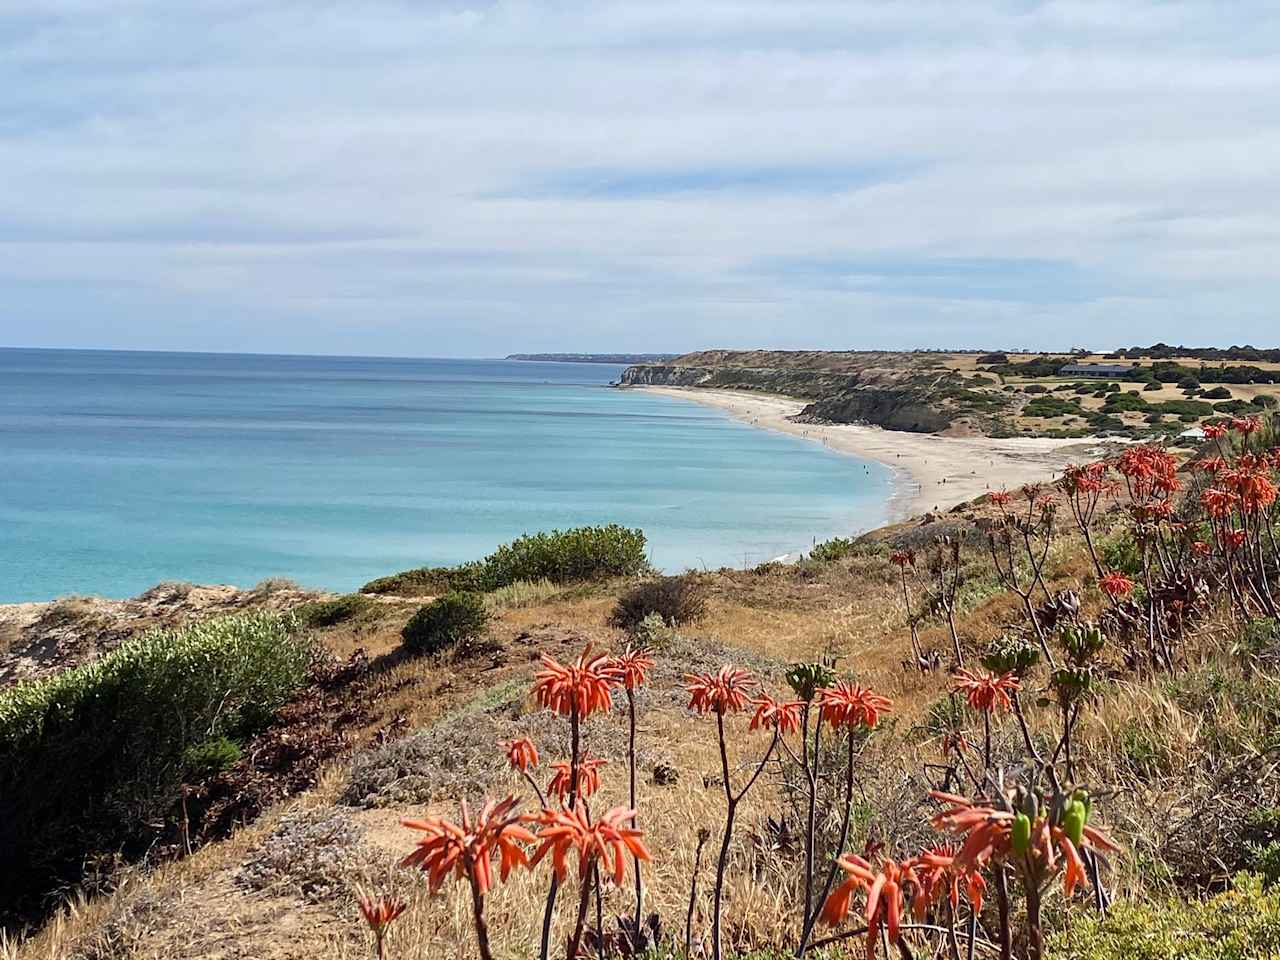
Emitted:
pixel 473 179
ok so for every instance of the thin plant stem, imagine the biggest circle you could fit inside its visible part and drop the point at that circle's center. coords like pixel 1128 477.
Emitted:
pixel 574 750
pixel 1002 900
pixel 477 912
pixel 703 836
pixel 584 901
pixel 631 769
pixel 812 919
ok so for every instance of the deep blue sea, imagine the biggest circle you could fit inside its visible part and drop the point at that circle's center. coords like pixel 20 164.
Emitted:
pixel 124 469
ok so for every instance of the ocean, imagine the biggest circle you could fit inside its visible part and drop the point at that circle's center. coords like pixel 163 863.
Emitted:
pixel 123 469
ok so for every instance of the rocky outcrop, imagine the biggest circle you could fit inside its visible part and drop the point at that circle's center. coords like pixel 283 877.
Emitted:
pixel 891 409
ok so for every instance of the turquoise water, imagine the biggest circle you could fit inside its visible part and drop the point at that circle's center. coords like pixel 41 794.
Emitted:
pixel 125 469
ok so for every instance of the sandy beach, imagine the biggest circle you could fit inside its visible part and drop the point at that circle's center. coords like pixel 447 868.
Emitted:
pixel 934 473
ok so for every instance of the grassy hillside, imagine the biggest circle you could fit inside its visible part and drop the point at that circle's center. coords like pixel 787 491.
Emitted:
pixel 1137 647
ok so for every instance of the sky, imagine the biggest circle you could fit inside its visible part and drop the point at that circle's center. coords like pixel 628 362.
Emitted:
pixel 427 178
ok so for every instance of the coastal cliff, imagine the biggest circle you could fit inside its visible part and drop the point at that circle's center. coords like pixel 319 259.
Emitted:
pixel 907 392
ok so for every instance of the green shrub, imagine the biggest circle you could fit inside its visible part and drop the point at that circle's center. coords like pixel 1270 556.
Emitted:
pixel 329 613
pixel 209 758
pixel 829 551
pixel 448 620
pixel 1233 406
pixel 568 556
pixel 1152 385
pixel 1241 924
pixel 678 600
pixel 92 757
pixel 561 556
pixel 1194 408
pixel 1122 554
pixel 411 583
pixel 1124 402
pixel 1052 407
pixel 1264 860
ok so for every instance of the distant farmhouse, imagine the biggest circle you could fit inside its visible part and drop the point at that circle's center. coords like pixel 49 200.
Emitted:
pixel 1098 371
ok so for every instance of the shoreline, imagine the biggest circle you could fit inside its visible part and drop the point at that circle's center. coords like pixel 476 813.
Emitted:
pixel 931 473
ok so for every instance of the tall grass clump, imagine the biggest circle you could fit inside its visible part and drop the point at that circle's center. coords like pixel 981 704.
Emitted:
pixel 91 759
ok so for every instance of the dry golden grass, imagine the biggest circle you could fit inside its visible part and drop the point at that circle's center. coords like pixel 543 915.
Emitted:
pixel 850 610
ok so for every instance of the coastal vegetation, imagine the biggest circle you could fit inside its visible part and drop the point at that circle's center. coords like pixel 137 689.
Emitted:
pixel 1040 726
pixel 561 556
pixel 454 618
pixel 91 756
pixel 1156 395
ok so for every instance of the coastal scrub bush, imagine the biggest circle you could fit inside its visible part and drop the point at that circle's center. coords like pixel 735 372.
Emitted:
pixel 829 551
pixel 448 620
pixel 209 758
pixel 1052 407
pixel 428 580
pixel 677 600
pixel 92 757
pixel 568 556
pixel 561 556
pixel 329 613
pixel 1241 924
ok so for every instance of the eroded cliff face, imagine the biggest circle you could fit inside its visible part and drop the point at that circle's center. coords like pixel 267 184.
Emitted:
pixel 891 409
pixel 804 384
pixel 839 396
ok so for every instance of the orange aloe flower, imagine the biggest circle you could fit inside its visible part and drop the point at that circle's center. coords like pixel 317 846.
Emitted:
pixel 723 692
pixel 771 714
pixel 1217 503
pixel 1116 584
pixel 1246 425
pixel 1210 465
pixel 465 849
pixel 584 686
pixel 633 667
pixel 988 832
pixel 521 754
pixel 564 831
pixel 986 691
pixel 1252 486
pixel 1214 431
pixel 936 871
pixel 1001 498
pixel 903 558
pixel 379 911
pixel 884 897
pixel 588 777
pixel 848 705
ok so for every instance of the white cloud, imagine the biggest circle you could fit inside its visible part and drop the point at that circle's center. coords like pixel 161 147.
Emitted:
pixel 455 178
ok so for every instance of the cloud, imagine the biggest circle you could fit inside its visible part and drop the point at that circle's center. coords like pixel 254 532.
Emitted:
pixel 452 178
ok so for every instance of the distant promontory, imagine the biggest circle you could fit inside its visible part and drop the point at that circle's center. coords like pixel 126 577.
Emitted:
pixel 627 358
